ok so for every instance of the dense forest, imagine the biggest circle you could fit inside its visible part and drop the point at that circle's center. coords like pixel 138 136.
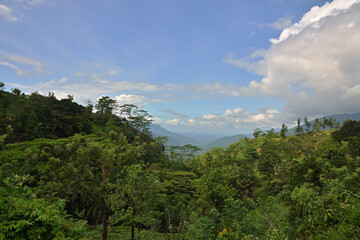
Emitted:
pixel 94 172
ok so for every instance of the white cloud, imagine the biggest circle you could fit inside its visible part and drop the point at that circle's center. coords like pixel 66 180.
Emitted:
pixel 114 72
pixel 174 122
pixel 89 89
pixel 191 122
pixel 315 69
pixel 9 65
pixel 35 65
pixel 157 120
pixel 237 118
pixel 131 99
pixel 218 89
pixel 23 73
pixel 315 15
pixel 79 74
pixel 101 71
pixel 140 86
pixel 29 4
pixel 6 13
pixel 208 116
pixel 280 23
pixel 19 71
pixel 63 80
pixel 174 87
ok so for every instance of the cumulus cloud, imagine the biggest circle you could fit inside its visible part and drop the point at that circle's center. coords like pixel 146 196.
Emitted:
pixel 314 65
pixel 175 121
pixel 157 120
pixel 237 118
pixel 208 116
pixel 7 14
pixel 315 15
pixel 131 99
pixel 240 118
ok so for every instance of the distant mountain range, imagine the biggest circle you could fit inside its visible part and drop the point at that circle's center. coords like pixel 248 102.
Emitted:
pixel 223 142
pixel 207 141
pixel 204 141
pixel 173 138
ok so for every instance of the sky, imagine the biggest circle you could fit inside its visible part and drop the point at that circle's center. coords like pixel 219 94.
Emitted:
pixel 211 66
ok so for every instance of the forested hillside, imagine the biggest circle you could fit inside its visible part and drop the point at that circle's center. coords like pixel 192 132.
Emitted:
pixel 69 172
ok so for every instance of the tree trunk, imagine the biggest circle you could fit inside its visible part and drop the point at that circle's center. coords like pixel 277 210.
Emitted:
pixel 103 205
pixel 132 232
pixel 133 215
pixel 104 220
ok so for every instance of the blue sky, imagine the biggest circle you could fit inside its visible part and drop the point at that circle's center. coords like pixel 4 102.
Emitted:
pixel 209 66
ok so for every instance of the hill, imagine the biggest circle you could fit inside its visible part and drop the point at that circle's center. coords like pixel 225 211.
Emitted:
pixel 174 139
pixel 223 142
pixel 202 138
pixel 256 187
pixel 339 117
pixel 204 141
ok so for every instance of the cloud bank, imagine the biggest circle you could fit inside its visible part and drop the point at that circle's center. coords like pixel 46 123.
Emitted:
pixel 314 65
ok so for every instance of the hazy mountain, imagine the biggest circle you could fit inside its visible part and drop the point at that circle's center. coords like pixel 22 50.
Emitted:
pixel 174 139
pixel 202 138
pixel 223 142
pixel 209 141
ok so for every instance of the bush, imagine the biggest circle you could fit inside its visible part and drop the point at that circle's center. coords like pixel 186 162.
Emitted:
pixel 24 216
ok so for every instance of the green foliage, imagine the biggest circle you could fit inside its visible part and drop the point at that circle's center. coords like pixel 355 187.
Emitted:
pixel 316 125
pixel 33 129
pixel 283 131
pixel 106 105
pixel 201 227
pixel 272 186
pixel 33 116
pixel 349 132
pixel 24 216
pixel 134 199
pixel 257 133
pixel 299 130
pixel 182 153
pixel 329 215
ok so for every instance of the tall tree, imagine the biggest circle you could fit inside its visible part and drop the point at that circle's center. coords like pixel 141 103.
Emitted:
pixel 134 199
pixel 90 168
pixel 324 123
pixel 257 132
pixel 33 129
pixel 307 124
pixel 316 125
pixel 139 119
pixel 106 105
pixel 299 130
pixel 283 131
